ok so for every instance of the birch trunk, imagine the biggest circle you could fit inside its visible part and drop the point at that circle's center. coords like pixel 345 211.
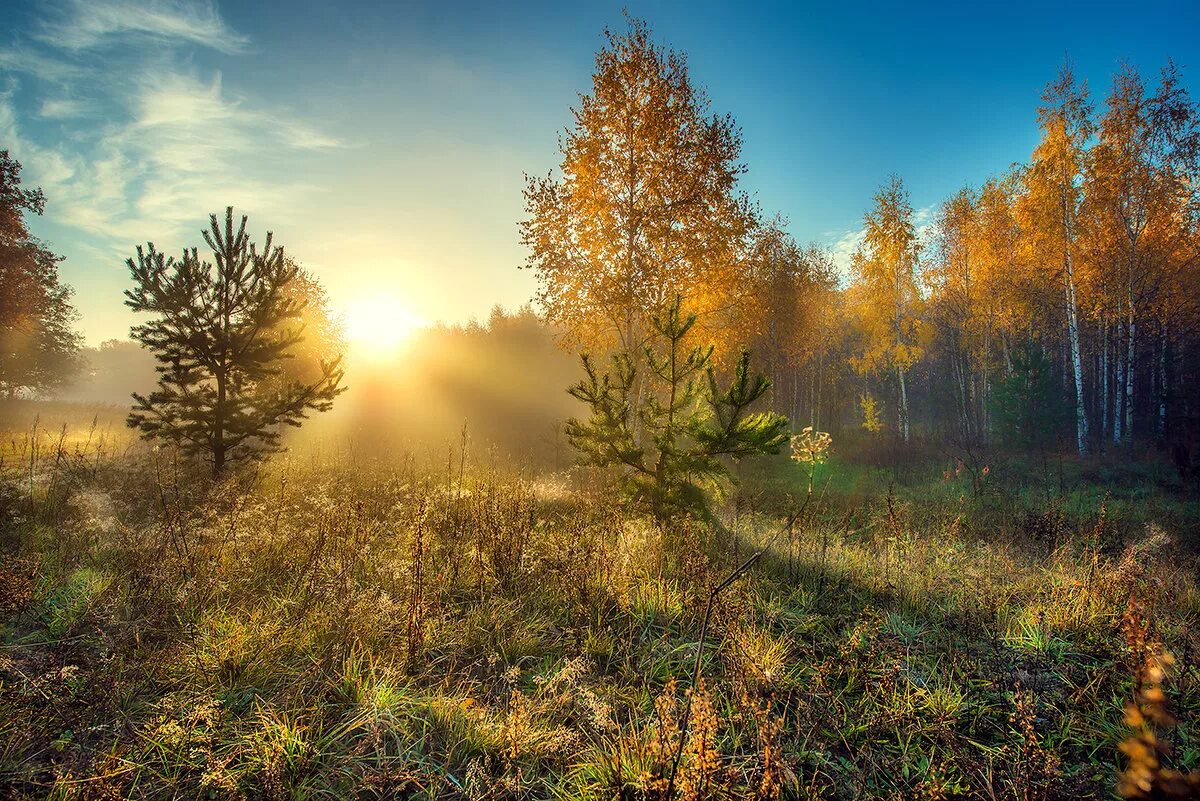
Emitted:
pixel 1081 421
pixel 1103 382
pixel 1130 364
pixel 1118 394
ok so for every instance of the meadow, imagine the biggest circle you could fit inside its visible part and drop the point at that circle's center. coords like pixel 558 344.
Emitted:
pixel 333 625
pixel 496 419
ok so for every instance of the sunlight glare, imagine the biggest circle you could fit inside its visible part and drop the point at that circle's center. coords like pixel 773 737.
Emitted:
pixel 378 325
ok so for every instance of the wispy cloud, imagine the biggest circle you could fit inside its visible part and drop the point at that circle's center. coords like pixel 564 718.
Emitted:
pixel 150 147
pixel 21 59
pixel 842 248
pixel 85 24
pixel 65 108
pixel 843 244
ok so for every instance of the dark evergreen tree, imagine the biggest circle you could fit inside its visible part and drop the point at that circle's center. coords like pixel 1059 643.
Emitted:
pixel 678 441
pixel 1029 408
pixel 38 343
pixel 221 339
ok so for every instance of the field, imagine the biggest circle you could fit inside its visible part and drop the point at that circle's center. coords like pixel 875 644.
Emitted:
pixel 326 626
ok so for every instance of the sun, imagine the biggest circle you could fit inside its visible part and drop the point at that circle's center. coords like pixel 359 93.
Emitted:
pixel 379 325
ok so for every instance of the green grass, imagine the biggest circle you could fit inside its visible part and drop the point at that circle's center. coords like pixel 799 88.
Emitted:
pixel 338 629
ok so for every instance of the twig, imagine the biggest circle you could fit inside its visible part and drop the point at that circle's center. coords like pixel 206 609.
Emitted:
pixel 712 596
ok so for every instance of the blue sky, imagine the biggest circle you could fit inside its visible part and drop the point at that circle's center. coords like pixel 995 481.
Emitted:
pixel 384 143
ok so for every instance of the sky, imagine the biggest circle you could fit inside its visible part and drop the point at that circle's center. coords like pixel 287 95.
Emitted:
pixel 385 143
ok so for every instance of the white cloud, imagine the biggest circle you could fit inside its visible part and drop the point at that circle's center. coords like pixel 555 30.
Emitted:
pixel 843 244
pixel 182 121
pixel 842 249
pixel 92 23
pixel 46 68
pixel 149 148
pixel 65 108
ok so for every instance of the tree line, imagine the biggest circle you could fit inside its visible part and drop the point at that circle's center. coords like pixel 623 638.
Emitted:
pixel 1054 303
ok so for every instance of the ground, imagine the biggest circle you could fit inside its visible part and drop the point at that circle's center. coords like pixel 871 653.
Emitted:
pixel 317 627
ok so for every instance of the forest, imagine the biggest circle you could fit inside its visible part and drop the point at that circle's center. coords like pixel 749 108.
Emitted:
pixel 716 514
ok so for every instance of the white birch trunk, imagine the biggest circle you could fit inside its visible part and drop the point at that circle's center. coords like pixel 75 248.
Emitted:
pixel 1130 364
pixel 1081 422
pixel 1103 382
pixel 1118 394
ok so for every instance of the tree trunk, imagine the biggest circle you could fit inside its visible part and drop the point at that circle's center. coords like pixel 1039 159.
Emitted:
pixel 903 406
pixel 1163 344
pixel 963 404
pixel 1130 363
pixel 1103 383
pixel 816 413
pixel 1118 393
pixel 986 400
pixel 1081 422
pixel 795 393
pixel 218 435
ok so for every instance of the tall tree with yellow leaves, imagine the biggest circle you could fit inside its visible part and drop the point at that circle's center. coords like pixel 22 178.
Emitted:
pixel 1122 180
pixel 959 304
pixel 1141 180
pixel 646 207
pixel 792 290
pixel 1051 208
pixel 1005 282
pixel 885 269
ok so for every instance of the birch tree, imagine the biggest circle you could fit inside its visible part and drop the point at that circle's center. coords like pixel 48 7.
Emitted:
pixel 645 206
pixel 886 270
pixel 1051 205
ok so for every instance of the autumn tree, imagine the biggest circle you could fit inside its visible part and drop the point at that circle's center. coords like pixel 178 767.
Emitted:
pixel 787 313
pixel 1140 183
pixel 646 206
pixel 1051 201
pixel 959 306
pixel 324 337
pixel 1005 284
pixel 980 301
pixel 1174 242
pixel 38 342
pixel 693 424
pixel 887 293
pixel 220 342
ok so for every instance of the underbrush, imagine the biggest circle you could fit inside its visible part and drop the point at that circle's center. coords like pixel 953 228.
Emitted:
pixel 369 630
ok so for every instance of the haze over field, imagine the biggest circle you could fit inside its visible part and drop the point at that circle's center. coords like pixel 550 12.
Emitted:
pixel 668 403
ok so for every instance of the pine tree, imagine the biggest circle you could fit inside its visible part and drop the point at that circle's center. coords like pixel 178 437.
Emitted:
pixel 220 342
pixel 690 425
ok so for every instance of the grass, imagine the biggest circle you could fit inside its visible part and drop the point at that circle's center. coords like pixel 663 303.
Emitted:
pixel 346 629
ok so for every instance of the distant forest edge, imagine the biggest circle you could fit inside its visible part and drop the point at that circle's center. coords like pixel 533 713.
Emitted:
pixel 1052 307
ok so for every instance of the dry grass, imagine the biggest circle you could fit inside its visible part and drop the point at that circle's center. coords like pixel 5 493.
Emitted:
pixel 318 629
